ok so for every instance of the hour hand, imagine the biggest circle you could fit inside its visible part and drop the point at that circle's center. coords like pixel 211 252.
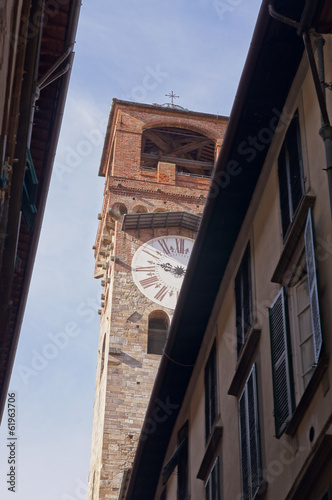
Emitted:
pixel 167 267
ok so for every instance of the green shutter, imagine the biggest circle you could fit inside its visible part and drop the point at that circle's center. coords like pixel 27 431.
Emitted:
pixel 281 363
pixel 313 287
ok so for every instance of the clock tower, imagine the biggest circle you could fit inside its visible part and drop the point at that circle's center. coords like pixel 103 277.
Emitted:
pixel 157 163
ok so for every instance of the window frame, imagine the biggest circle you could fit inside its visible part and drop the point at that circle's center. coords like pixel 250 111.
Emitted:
pixel 299 371
pixel 243 300
pixel 209 485
pixel 250 446
pixel 183 462
pixel 290 194
pixel 296 409
pixel 157 337
pixel 179 458
pixel 210 391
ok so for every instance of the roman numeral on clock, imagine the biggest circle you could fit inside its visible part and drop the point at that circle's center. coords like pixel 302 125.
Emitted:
pixel 179 245
pixel 164 246
pixel 149 281
pixel 151 254
pixel 161 294
pixel 145 269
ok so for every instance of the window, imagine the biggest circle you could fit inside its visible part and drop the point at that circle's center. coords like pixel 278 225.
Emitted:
pixel 281 363
pixel 328 494
pixel 183 462
pixel 157 332
pixel 243 300
pixel 295 326
pixel 291 188
pixel 303 328
pixel 249 438
pixel 210 383
pixel 212 487
pixel 179 459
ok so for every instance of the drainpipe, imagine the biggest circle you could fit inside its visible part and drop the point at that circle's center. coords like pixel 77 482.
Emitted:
pixel 303 28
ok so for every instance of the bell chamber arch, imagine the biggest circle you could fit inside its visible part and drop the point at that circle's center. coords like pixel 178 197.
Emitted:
pixel 191 151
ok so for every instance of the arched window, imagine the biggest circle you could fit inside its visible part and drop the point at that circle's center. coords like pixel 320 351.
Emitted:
pixel 120 208
pixel 157 332
pixel 140 209
pixel 191 151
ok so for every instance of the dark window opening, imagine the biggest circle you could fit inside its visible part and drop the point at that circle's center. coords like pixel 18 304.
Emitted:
pixel 212 487
pixel 157 332
pixel 183 463
pixel 192 152
pixel 249 438
pixel 243 300
pixel 210 382
pixel 290 173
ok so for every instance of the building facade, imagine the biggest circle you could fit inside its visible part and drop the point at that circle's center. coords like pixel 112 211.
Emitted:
pixel 252 417
pixel 157 162
pixel 36 55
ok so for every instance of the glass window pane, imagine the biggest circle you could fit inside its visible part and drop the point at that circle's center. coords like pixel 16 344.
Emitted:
pixel 302 295
pixel 307 355
pixel 305 326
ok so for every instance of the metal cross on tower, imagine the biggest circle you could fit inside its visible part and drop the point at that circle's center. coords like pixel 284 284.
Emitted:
pixel 172 96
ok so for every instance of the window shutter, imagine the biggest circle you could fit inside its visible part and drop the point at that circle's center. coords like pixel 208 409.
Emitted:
pixel 313 286
pixel 249 438
pixel 281 363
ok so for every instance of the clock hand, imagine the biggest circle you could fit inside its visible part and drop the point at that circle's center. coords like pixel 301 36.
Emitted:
pixel 177 271
pixel 167 267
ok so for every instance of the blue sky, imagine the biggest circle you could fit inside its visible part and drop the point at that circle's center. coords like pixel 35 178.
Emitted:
pixel 135 50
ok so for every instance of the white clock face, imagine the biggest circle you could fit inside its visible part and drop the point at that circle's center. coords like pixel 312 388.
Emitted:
pixel 159 267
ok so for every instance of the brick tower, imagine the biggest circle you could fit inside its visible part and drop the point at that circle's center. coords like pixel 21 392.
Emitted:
pixel 157 163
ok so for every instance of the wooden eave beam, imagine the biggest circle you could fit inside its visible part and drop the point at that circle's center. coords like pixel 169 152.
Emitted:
pixel 156 139
pixel 191 146
pixel 183 162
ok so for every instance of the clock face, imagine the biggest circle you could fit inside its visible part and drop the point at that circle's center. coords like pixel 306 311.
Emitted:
pixel 159 267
